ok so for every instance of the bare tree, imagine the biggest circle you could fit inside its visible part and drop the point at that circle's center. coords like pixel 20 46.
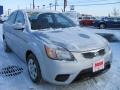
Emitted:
pixel 115 12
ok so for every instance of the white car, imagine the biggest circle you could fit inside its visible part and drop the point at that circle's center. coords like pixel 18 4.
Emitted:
pixel 3 18
pixel 54 48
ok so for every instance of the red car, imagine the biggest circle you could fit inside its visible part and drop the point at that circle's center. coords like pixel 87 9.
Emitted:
pixel 87 21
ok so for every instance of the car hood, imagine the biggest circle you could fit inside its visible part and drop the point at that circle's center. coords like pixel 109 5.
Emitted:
pixel 73 39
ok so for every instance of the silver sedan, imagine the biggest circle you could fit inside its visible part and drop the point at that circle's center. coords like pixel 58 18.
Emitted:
pixel 54 48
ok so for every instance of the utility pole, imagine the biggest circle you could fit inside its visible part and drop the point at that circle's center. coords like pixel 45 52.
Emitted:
pixel 30 6
pixel 43 6
pixel 65 4
pixel 33 4
pixel 38 7
pixel 55 5
pixel 9 11
pixel 50 5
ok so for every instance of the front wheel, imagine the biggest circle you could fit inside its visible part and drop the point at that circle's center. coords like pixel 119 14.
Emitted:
pixel 102 26
pixel 34 69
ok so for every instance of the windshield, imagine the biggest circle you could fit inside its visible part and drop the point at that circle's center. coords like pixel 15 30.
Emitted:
pixel 50 20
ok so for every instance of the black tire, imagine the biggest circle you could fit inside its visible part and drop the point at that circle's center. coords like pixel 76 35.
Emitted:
pixel 38 76
pixel 102 26
pixel 6 47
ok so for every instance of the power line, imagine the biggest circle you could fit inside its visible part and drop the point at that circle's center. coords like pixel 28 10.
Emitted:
pixel 93 4
pixel 90 4
pixel 99 4
pixel 33 4
pixel 92 1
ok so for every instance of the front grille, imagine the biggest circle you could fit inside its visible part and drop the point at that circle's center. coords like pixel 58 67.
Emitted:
pixel 88 73
pixel 92 54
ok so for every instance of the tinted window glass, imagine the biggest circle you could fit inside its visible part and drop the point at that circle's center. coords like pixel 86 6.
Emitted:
pixel 20 18
pixel 46 16
pixel 50 20
pixel 111 19
pixel 43 21
pixel 86 18
pixel 118 19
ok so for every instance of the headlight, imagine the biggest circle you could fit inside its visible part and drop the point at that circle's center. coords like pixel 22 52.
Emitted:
pixel 59 54
pixel 107 48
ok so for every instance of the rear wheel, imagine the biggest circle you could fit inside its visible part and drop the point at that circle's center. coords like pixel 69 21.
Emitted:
pixel 6 47
pixel 34 68
pixel 102 26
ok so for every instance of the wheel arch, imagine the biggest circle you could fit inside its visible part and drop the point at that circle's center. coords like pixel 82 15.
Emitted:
pixel 28 52
pixel 3 36
pixel 102 23
pixel 37 50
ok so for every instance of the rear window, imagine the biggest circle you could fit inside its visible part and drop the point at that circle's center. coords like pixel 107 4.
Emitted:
pixel 86 17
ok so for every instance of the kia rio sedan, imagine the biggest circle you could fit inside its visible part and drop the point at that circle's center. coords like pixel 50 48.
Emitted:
pixel 54 48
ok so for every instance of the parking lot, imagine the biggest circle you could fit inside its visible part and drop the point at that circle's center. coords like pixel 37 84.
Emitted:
pixel 14 74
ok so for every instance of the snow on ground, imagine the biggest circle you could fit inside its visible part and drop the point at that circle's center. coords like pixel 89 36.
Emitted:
pixel 107 81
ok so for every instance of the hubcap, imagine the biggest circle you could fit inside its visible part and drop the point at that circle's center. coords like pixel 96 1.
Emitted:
pixel 102 26
pixel 32 69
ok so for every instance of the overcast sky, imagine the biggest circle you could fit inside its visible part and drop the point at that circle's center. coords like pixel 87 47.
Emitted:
pixel 97 10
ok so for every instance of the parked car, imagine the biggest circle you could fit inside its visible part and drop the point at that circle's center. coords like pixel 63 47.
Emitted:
pixel 73 15
pixel 3 18
pixel 87 21
pixel 53 48
pixel 108 22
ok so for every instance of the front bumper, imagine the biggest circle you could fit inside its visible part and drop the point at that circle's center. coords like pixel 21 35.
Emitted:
pixel 64 72
pixel 87 73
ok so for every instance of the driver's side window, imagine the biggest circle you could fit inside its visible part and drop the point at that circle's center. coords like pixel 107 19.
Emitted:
pixel 42 22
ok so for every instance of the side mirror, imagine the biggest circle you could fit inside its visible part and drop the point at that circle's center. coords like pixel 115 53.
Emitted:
pixel 18 26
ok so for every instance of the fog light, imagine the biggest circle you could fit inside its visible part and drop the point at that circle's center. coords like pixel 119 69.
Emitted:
pixel 62 77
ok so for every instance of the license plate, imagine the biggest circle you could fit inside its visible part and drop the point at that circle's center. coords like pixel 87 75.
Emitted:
pixel 98 65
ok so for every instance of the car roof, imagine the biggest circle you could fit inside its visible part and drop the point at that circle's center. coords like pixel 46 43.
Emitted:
pixel 36 11
pixel 40 11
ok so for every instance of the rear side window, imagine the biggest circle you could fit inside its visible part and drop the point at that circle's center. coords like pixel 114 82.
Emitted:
pixel 43 21
pixel 118 19
pixel 111 19
pixel 86 18
pixel 12 17
pixel 46 16
pixel 20 18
